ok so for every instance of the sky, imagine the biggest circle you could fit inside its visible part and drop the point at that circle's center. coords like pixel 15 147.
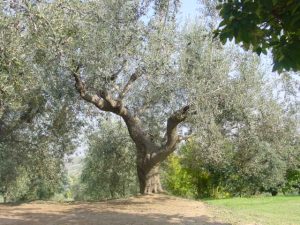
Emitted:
pixel 189 8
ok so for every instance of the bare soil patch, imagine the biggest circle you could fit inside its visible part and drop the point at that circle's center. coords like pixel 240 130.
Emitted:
pixel 153 209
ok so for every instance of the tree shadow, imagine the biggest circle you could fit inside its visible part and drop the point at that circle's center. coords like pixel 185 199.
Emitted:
pixel 146 200
pixel 134 211
pixel 87 217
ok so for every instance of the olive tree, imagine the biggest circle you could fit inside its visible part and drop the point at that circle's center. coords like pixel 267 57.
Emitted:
pixel 109 167
pixel 35 119
pixel 120 61
pixel 126 57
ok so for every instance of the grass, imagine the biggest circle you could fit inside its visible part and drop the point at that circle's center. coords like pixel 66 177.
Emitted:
pixel 279 210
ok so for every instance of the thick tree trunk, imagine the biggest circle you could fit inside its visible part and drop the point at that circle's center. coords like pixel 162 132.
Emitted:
pixel 149 180
pixel 5 198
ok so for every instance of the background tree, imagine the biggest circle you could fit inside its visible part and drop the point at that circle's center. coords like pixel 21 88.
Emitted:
pixel 247 135
pixel 109 167
pixel 35 120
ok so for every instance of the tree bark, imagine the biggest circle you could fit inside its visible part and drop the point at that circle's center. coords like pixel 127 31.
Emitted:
pixel 149 179
pixel 5 197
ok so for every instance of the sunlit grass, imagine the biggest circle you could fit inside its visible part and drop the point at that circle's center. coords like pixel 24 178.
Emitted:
pixel 280 210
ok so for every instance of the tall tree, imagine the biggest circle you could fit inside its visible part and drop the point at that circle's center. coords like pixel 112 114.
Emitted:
pixel 129 60
pixel 120 64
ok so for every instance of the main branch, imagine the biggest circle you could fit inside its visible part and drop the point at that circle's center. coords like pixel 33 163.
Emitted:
pixel 131 80
pixel 80 87
pixel 105 102
pixel 172 124
pixel 172 135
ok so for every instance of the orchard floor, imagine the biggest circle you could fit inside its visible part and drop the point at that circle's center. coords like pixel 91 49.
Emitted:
pixel 153 209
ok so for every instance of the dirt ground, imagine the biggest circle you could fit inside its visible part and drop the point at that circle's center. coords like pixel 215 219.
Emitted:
pixel 141 210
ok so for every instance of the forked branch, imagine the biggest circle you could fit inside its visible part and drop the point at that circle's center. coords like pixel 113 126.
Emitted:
pixel 172 124
pixel 102 100
pixel 131 80
pixel 80 87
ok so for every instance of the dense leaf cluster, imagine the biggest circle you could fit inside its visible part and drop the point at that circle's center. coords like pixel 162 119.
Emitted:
pixel 264 24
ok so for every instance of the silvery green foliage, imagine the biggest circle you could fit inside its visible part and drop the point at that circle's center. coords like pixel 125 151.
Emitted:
pixel 25 88
pixel 233 101
pixel 242 132
pixel 35 119
pixel 109 167
pixel 110 40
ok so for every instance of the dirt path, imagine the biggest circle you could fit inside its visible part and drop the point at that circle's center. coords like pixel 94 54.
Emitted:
pixel 156 209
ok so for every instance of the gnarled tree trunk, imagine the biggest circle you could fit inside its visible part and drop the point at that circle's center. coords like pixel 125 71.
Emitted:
pixel 149 179
pixel 5 195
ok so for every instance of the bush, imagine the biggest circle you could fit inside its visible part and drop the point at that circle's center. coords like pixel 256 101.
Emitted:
pixel 176 179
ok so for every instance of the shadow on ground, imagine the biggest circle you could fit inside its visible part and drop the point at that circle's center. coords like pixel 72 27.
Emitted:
pixel 125 212
pixel 85 217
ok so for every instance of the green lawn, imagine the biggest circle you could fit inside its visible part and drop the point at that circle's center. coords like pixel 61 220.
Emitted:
pixel 283 210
